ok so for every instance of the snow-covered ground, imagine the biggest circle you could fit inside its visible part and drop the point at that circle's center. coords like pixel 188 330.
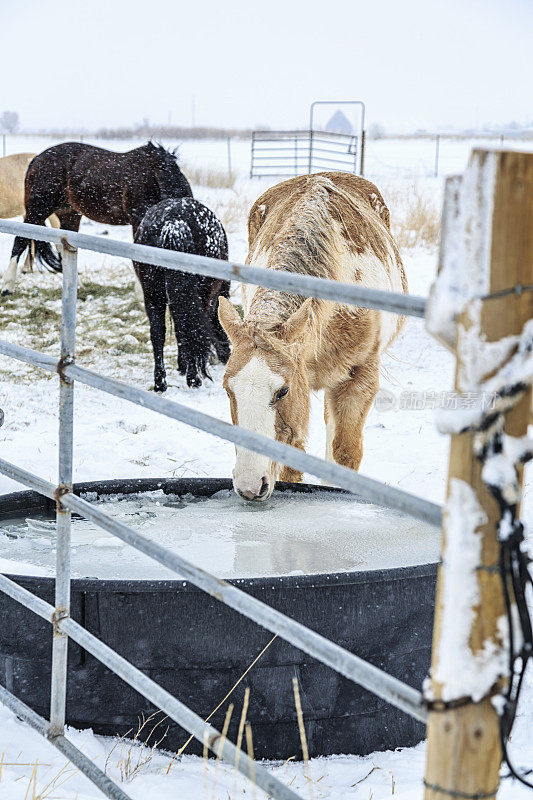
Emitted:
pixel 31 769
pixel 116 439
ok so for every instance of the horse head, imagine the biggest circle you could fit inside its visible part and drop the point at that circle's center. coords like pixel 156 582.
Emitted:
pixel 267 384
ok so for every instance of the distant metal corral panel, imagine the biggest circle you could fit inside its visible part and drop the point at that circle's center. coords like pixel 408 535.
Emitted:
pixel 337 147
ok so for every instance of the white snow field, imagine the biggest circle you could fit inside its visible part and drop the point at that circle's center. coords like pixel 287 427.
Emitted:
pixel 116 439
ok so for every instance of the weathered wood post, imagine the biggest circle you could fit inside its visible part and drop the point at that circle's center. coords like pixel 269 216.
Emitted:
pixel 493 215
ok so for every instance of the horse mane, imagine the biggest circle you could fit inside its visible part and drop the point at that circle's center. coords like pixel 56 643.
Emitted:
pixel 172 181
pixel 297 234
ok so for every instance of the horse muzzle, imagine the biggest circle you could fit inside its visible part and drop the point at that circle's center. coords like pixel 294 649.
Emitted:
pixel 253 490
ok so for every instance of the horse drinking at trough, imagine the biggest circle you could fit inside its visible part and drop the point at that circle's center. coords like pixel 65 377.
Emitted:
pixel 75 179
pixel 329 225
pixel 189 227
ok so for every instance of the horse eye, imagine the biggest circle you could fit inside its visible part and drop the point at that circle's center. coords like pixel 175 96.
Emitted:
pixel 281 393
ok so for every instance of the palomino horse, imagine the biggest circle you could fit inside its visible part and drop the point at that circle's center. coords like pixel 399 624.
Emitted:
pixel 74 179
pixel 330 225
pixel 189 227
pixel 12 173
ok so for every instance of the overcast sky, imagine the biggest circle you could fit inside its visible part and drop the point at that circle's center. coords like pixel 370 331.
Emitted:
pixel 416 63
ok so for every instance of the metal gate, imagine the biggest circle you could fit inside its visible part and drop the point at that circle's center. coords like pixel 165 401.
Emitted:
pixel 347 664
pixel 279 154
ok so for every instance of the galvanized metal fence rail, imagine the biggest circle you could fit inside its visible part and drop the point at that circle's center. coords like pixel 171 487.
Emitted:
pixel 339 659
pixel 286 153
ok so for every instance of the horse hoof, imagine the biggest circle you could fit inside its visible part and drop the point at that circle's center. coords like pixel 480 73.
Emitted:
pixel 5 292
pixel 160 387
pixel 194 381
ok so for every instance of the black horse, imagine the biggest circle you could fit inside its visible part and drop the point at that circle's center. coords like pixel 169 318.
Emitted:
pixel 72 179
pixel 189 227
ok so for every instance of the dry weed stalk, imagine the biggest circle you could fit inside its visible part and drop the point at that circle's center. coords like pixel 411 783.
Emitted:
pixel 66 772
pixel 227 721
pixel 246 671
pixel 138 754
pixel 303 737
pixel 415 217
pixel 240 733
pixel 33 779
pixel 250 752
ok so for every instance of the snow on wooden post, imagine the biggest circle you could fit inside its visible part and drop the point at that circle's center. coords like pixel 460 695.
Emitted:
pixel 487 247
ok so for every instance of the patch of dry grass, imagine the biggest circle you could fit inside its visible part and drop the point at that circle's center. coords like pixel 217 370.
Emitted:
pixel 211 177
pixel 135 755
pixel 232 211
pixel 415 215
pixel 111 329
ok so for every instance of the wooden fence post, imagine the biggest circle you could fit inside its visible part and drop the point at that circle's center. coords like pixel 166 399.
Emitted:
pixel 463 752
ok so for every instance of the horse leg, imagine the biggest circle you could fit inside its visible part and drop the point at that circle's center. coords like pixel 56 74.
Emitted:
pixel 10 275
pixel 152 283
pixel 69 219
pixel 222 345
pixel 40 202
pixel 194 334
pixel 30 257
pixel 288 473
pixel 345 409
pixel 138 289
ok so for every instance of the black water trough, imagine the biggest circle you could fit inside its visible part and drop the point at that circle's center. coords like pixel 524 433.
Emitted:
pixel 197 648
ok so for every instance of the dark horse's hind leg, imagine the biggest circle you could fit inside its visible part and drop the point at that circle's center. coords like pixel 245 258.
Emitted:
pixel 211 289
pixel 69 219
pixel 221 342
pixel 194 333
pixel 152 280
pixel 40 204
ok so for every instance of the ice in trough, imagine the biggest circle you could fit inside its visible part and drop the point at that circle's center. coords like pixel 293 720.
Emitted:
pixel 292 534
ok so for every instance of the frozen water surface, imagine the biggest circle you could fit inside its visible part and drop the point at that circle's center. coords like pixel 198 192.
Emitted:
pixel 293 533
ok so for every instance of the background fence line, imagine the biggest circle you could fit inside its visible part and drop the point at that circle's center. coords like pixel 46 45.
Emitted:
pixel 386 156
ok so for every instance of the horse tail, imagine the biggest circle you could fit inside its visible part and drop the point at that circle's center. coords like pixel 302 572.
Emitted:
pixel 46 256
pixel 176 235
pixel 193 328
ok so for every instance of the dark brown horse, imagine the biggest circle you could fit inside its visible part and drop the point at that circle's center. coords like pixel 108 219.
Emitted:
pixel 74 179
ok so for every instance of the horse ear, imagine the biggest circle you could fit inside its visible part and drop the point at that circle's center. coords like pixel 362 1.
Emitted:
pixel 293 328
pixel 229 318
pixel 255 220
